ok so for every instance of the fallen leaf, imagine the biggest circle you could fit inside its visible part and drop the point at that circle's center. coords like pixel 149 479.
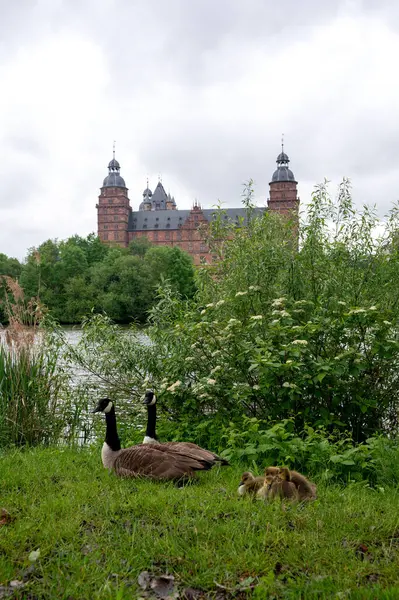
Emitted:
pixel 163 586
pixel 144 579
pixel 7 591
pixel 34 555
pixel 16 584
pixel 5 517
pixel 362 552
pixel 193 594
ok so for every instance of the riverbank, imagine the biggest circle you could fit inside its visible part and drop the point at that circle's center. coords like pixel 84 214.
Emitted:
pixel 96 534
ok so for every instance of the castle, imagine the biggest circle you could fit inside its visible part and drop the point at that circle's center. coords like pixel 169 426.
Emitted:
pixel 159 220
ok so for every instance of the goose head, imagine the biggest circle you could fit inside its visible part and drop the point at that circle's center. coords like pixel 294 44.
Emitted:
pixel 149 398
pixel 104 405
pixel 245 479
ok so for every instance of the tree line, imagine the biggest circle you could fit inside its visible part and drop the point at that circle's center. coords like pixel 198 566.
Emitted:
pixel 81 274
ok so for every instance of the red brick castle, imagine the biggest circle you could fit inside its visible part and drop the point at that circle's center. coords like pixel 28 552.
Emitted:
pixel 159 220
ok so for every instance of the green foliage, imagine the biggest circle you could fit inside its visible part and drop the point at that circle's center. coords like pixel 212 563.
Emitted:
pixel 96 533
pixel 299 321
pixel 74 276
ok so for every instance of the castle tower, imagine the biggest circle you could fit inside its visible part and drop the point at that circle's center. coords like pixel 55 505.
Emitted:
pixel 113 208
pixel 283 188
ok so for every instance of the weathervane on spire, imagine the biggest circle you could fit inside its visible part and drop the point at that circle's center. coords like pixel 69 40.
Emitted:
pixel 113 150
pixel 282 142
pixel 159 178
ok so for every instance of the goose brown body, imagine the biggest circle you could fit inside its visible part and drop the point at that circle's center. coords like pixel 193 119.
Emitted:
pixel 179 448
pixel 250 484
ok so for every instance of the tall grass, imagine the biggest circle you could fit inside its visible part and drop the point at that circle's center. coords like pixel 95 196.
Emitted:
pixel 30 381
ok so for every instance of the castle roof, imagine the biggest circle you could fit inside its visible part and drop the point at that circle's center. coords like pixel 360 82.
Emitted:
pixel 113 179
pixel 283 173
pixel 143 220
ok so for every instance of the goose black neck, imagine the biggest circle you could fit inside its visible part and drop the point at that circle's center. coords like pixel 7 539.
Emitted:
pixel 151 421
pixel 111 435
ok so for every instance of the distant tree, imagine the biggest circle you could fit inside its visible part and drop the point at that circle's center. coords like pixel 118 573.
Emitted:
pixel 174 265
pixel 139 246
pixel 10 266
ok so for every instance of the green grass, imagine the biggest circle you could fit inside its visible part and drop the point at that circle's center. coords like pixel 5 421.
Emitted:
pixel 97 533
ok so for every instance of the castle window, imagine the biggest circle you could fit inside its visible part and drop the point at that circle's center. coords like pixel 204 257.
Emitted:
pixel 115 217
pixel 105 236
pixel 190 247
pixel 167 235
pixel 105 226
pixel 155 235
pixel 203 248
pixel 168 218
pixel 179 235
pixel 111 200
pixel 195 217
pixel 145 226
pixel 157 219
pixel 167 224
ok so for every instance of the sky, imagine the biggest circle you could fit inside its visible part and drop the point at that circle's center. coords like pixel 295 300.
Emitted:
pixel 196 92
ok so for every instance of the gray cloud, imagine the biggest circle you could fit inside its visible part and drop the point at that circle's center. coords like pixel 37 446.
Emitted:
pixel 199 91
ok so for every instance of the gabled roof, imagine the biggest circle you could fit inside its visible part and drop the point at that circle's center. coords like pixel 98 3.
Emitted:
pixel 159 197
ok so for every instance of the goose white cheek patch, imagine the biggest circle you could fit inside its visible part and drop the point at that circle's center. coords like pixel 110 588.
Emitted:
pixel 108 407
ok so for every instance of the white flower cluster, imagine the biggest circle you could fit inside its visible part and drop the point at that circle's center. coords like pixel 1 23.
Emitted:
pixel 241 294
pixel 300 342
pixel 172 388
pixel 257 317
pixel 278 302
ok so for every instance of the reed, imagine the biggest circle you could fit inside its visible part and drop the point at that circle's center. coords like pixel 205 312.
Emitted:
pixel 30 381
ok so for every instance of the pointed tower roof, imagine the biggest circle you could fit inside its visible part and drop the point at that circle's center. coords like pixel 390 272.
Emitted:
pixel 113 178
pixel 283 173
pixel 159 197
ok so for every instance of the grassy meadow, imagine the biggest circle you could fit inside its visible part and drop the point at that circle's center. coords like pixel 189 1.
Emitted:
pixel 96 534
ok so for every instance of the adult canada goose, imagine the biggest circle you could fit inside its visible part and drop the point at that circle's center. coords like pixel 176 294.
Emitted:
pixel 184 448
pixel 155 461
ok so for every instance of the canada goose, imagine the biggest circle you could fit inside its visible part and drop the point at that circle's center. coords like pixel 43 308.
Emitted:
pixel 250 484
pixel 306 489
pixel 278 486
pixel 185 448
pixel 155 461
pixel 264 491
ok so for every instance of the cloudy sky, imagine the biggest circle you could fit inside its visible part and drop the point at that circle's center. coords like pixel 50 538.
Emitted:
pixel 198 91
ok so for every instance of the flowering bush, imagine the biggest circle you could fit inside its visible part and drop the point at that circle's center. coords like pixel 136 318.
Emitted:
pixel 298 321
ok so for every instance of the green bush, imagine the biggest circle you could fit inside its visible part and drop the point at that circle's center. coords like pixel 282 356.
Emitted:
pixel 297 321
